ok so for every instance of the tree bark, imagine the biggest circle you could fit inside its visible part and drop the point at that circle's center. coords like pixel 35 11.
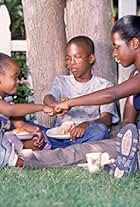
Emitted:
pixel 93 18
pixel 46 39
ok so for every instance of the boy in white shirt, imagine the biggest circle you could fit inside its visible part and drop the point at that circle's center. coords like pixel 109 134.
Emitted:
pixel 91 123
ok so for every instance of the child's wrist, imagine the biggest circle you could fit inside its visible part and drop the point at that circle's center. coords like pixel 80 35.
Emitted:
pixel 69 103
pixel 43 107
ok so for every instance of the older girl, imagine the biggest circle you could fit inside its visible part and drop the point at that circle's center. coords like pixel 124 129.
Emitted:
pixel 126 41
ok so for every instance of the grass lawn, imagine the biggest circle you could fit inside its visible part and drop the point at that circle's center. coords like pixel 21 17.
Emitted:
pixel 66 187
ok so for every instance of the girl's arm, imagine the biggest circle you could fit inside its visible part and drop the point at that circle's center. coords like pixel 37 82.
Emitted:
pixel 21 109
pixel 112 94
pixel 105 96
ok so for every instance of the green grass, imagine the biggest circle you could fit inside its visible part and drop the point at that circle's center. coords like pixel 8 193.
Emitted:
pixel 66 187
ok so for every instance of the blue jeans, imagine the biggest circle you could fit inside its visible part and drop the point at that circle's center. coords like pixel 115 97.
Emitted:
pixel 94 132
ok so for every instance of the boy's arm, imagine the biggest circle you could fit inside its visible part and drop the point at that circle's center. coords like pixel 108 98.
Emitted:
pixel 106 118
pixel 80 129
pixel 54 94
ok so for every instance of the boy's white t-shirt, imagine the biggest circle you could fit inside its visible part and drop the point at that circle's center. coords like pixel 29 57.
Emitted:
pixel 66 86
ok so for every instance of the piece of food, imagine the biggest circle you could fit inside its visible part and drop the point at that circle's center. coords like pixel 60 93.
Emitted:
pixel 65 127
pixel 21 131
pixel 62 131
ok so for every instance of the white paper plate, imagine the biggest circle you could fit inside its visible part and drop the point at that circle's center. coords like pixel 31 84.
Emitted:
pixel 57 133
pixel 24 136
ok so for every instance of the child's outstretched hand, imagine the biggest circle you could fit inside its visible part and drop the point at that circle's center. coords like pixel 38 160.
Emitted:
pixel 62 108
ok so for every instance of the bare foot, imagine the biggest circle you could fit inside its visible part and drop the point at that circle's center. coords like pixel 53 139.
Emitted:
pixel 20 162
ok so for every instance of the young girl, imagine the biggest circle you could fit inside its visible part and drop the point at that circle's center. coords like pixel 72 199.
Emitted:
pixel 9 72
pixel 126 40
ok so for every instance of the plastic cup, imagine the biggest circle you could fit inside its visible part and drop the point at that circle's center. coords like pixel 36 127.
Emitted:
pixel 94 161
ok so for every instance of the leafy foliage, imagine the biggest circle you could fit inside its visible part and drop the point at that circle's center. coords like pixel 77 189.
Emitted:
pixel 18 33
pixel 21 58
pixel 24 91
pixel 17 19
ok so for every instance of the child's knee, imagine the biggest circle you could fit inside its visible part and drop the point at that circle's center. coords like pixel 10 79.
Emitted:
pixel 9 138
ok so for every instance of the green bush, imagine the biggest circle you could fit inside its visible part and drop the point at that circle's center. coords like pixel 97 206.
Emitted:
pixel 17 19
pixel 17 28
pixel 24 92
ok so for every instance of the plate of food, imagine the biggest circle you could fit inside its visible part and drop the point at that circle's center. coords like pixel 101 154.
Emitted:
pixel 61 132
pixel 22 134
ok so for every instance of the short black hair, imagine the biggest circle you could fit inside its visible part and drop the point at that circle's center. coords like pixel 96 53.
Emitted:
pixel 128 27
pixel 83 41
pixel 4 59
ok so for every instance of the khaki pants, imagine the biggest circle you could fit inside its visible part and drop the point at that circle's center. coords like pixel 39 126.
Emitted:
pixel 67 156
pixel 71 155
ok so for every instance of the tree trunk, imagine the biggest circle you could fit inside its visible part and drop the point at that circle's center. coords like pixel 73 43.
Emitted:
pixel 46 39
pixel 93 18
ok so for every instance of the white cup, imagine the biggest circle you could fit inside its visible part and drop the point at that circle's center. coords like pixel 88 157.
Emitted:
pixel 94 161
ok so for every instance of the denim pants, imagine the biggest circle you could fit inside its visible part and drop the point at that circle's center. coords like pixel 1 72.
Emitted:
pixel 95 132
